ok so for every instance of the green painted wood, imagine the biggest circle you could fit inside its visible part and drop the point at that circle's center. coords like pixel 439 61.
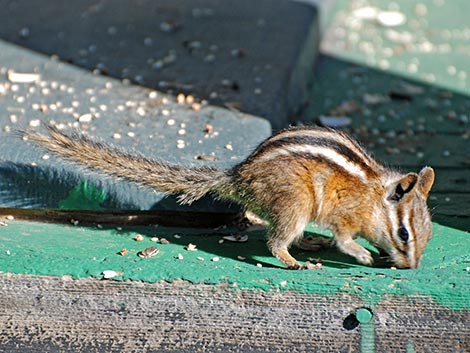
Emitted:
pixel 452 180
pixel 440 151
pixel 450 204
pixel 150 302
pixel 429 42
pixel 80 252
pixel 365 94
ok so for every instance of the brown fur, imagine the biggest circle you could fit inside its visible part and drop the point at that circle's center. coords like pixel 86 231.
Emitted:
pixel 290 181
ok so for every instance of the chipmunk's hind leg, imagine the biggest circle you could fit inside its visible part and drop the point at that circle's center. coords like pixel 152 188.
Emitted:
pixel 284 231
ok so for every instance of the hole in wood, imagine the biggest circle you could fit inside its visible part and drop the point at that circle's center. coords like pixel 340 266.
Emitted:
pixel 350 322
pixel 362 316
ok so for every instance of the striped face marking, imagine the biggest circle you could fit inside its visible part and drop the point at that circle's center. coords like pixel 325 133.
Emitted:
pixel 410 229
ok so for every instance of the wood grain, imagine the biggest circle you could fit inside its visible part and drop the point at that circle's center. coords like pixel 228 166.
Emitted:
pixel 40 314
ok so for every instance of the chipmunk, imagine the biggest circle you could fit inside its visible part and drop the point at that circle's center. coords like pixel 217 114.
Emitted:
pixel 297 175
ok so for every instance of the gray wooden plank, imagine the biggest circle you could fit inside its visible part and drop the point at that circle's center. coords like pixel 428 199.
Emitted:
pixel 180 317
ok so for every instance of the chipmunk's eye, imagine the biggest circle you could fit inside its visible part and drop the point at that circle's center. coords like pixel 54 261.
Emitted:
pixel 403 233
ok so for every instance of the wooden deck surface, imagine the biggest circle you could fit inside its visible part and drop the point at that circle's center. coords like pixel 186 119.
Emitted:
pixel 235 297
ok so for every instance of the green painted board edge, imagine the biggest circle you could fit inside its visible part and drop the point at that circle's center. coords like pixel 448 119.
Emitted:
pixel 81 252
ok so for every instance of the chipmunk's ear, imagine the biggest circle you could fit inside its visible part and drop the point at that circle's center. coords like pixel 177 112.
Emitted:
pixel 403 187
pixel 425 180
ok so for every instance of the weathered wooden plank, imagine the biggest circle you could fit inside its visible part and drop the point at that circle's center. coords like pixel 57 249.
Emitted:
pixel 60 314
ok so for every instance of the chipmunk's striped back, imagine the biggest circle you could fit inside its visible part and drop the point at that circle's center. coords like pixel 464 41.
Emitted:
pixel 337 150
pixel 295 176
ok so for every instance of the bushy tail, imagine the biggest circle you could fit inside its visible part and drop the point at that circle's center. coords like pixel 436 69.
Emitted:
pixel 189 183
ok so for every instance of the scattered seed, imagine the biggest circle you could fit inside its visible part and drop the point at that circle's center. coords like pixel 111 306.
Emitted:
pixel 206 158
pixel 229 147
pixel 140 111
pixel 283 283
pixel 164 241
pixel 191 247
pixel 177 236
pixel 148 252
pixel 171 122
pixel 374 99
pixel 392 150
pixel 391 18
pixel 74 222
pixel 208 128
pixel 18 77
pixel 111 274
pixel 365 13
pixel 200 258
pixel 139 237
pixel 345 108
pixel 215 259
pixel 180 257
pixel 123 252
pixel 117 136
pixel 236 238
pixel 154 239
pixel 259 265
pixel 85 118
pixel 335 121
pixel 411 89
pixel 35 123
pixel 241 258
pixel 189 99
pixel 181 98
pixel 237 53
pixel 196 106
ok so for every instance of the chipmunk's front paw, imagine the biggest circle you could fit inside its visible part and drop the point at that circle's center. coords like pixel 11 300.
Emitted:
pixel 364 257
pixel 355 250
